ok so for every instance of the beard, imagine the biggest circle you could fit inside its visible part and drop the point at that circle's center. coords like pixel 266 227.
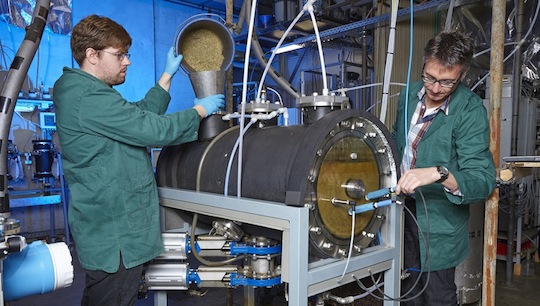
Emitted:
pixel 114 80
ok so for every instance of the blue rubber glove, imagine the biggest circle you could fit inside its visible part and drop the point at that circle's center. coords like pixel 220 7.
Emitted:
pixel 211 103
pixel 173 62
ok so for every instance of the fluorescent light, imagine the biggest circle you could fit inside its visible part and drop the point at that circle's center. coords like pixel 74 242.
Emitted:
pixel 288 48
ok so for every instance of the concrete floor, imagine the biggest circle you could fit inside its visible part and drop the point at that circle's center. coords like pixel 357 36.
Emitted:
pixel 523 291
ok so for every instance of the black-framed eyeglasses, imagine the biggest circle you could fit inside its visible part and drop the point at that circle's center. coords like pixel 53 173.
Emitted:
pixel 119 55
pixel 444 83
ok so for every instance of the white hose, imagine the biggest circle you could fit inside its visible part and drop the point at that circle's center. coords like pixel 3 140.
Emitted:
pixel 280 42
pixel 353 217
pixel 231 157
pixel 344 90
pixel 389 60
pixel 244 96
pixel 319 47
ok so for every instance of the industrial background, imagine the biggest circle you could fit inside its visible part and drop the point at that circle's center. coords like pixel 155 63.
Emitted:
pixel 355 58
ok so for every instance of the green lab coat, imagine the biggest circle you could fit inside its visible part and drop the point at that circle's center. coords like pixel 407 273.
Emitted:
pixel 459 141
pixel 114 203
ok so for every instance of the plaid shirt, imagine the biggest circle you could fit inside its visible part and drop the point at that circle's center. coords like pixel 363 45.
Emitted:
pixel 420 122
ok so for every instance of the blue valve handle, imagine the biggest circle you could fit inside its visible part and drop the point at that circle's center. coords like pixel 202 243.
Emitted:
pixel 380 193
pixel 370 206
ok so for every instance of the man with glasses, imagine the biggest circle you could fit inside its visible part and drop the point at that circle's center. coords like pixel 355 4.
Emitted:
pixel 114 209
pixel 442 136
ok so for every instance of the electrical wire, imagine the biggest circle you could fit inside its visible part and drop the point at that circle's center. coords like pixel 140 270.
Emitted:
pixel 427 263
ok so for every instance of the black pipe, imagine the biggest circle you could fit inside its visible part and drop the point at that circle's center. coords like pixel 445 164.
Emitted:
pixel 12 86
pixel 516 97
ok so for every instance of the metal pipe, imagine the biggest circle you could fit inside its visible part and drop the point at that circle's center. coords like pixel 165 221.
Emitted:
pixel 364 76
pixel 510 235
pixel 241 18
pixel 492 203
pixel 229 74
pixel 12 85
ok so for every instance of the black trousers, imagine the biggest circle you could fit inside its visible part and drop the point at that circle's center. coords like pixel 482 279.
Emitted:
pixel 440 288
pixel 112 289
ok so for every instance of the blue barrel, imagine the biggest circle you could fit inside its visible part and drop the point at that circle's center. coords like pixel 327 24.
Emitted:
pixel 35 271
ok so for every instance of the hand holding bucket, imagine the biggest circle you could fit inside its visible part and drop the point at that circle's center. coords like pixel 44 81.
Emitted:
pixel 207 46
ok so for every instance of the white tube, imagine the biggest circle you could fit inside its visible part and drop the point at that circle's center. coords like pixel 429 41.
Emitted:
pixel 280 42
pixel 353 217
pixel 389 60
pixel 244 96
pixel 231 157
pixel 277 94
pixel 344 90
pixel 286 117
pixel 319 47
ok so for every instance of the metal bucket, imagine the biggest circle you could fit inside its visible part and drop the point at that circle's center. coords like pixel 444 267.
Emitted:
pixel 206 44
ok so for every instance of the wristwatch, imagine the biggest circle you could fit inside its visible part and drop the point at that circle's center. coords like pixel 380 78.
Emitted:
pixel 443 171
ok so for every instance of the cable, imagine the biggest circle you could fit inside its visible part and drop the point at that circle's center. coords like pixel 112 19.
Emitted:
pixel 350 299
pixel 205 154
pixel 372 106
pixel 319 47
pixel 390 58
pixel 533 22
pixel 406 155
pixel 353 217
pixel 280 42
pixel 277 94
pixel 244 97
pixel 198 256
pixel 344 90
pixel 427 262
pixel 489 49
pixel 233 153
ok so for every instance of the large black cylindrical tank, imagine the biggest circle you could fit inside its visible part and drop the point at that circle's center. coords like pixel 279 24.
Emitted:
pixel 340 157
